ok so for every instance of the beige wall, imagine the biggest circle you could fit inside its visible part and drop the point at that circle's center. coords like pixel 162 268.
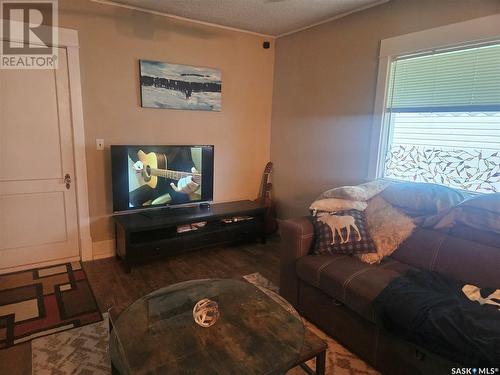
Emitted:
pixel 112 40
pixel 324 91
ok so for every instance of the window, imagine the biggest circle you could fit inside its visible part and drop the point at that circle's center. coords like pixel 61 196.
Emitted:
pixel 442 115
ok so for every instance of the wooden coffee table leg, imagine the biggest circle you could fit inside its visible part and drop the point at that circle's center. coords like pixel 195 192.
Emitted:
pixel 321 363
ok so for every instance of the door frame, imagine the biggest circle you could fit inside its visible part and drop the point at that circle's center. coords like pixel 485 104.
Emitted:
pixel 68 39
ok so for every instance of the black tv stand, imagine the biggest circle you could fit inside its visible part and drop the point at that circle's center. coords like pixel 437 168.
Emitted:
pixel 146 236
pixel 185 210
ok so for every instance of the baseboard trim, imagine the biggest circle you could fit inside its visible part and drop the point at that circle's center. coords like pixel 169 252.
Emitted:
pixel 86 248
pixel 103 249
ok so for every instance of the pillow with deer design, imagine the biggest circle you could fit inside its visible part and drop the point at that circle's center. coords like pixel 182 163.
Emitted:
pixel 342 232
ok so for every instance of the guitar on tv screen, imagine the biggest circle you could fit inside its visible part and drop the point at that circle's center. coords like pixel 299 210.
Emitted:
pixel 154 176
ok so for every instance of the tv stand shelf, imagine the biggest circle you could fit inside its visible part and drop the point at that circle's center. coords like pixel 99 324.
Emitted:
pixel 145 236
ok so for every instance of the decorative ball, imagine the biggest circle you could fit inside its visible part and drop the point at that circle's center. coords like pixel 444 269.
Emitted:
pixel 206 312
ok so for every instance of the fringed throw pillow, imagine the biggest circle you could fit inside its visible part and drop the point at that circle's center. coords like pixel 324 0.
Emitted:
pixel 388 228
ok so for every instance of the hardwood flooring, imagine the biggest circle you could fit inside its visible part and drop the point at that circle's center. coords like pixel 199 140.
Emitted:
pixel 16 360
pixel 113 287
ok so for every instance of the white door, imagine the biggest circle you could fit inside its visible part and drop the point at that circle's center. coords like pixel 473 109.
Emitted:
pixel 38 216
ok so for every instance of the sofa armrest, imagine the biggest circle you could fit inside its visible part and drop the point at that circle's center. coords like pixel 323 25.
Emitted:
pixel 296 238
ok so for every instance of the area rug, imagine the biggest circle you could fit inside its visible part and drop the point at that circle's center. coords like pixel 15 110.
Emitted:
pixel 79 351
pixel 83 350
pixel 44 301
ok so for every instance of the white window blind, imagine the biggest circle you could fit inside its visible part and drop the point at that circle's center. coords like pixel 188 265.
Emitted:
pixel 443 113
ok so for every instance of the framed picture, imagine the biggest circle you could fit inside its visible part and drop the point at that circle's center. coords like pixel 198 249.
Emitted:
pixel 174 86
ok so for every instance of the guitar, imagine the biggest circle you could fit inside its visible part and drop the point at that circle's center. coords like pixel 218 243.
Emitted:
pixel 265 198
pixel 154 165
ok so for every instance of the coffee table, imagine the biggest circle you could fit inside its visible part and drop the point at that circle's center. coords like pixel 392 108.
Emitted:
pixel 257 332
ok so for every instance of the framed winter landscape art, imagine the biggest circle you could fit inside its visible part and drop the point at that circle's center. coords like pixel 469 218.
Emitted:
pixel 173 86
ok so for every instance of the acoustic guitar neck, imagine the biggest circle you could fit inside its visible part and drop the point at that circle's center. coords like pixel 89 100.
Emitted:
pixel 172 175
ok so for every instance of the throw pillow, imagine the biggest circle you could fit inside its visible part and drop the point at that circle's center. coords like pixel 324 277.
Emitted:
pixel 342 232
pixel 335 204
pixel 388 228
pixel 361 192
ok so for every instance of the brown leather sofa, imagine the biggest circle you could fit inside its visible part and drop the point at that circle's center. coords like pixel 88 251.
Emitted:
pixel 336 291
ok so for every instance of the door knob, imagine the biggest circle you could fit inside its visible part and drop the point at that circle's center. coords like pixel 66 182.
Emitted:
pixel 67 180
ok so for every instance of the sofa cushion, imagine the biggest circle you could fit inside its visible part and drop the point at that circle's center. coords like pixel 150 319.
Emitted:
pixel 421 199
pixel 420 249
pixel 348 280
pixel 470 261
pixel 465 232
pixel 481 212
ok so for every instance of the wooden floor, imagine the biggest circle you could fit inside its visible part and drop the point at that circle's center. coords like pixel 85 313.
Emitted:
pixel 113 287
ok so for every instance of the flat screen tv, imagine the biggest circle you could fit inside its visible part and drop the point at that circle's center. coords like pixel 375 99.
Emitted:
pixel 156 176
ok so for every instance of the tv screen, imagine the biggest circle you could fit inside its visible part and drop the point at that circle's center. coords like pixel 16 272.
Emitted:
pixel 154 176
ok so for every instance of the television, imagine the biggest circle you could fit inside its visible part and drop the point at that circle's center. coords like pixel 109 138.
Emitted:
pixel 146 177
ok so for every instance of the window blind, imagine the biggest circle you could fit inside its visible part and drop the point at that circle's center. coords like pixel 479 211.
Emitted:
pixel 443 114
pixel 460 80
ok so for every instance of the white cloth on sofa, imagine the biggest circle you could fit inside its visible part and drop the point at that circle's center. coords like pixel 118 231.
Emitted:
pixel 474 294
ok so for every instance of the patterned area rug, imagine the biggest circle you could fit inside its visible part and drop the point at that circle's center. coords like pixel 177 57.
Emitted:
pixel 80 351
pixel 44 301
pixel 83 350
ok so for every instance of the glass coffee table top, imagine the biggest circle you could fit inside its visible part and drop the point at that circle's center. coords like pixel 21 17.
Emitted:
pixel 257 332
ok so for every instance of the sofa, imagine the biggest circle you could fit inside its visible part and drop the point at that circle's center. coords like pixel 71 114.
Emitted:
pixel 336 291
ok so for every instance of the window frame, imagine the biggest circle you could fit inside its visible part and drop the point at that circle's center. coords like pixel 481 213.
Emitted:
pixel 457 35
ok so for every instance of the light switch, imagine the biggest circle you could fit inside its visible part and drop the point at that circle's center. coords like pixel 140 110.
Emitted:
pixel 99 144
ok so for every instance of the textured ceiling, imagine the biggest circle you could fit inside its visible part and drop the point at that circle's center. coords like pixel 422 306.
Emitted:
pixel 271 17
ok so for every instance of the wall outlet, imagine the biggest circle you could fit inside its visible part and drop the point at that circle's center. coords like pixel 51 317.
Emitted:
pixel 99 144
